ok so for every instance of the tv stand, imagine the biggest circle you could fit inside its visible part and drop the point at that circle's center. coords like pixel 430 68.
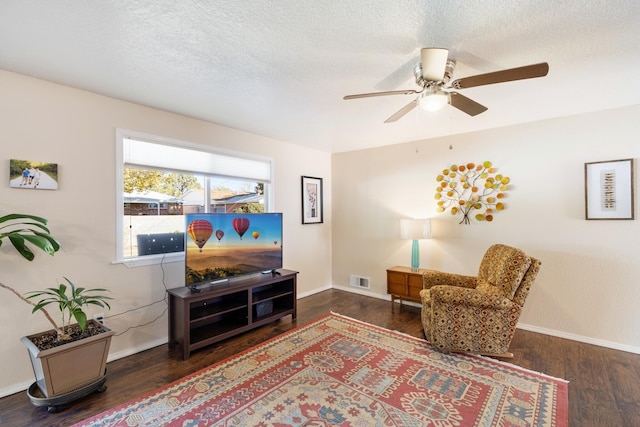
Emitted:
pixel 199 319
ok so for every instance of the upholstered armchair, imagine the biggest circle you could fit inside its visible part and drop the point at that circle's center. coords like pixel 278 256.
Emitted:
pixel 478 314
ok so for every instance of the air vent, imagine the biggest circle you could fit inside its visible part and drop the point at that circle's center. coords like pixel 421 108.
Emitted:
pixel 359 281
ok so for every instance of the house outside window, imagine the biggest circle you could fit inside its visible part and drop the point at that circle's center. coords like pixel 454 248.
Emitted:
pixel 163 180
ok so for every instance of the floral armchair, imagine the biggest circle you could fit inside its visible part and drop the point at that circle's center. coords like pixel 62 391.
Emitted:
pixel 478 314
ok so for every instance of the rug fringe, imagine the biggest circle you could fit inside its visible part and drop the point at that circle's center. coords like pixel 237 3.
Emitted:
pixel 512 365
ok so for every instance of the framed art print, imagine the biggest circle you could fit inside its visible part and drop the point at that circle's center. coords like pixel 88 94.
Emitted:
pixel 33 175
pixel 311 200
pixel 609 189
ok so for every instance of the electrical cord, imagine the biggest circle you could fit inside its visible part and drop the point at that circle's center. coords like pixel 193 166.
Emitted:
pixel 164 299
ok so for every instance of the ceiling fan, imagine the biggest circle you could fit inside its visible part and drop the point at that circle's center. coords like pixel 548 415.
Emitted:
pixel 433 74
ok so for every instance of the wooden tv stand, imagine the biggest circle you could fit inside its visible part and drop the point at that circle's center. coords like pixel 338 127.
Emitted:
pixel 198 319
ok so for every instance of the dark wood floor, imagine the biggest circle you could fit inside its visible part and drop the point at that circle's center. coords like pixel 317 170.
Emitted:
pixel 604 387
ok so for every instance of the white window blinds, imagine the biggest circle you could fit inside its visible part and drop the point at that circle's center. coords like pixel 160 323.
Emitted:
pixel 171 157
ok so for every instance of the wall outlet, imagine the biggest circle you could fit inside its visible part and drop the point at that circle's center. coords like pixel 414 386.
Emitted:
pixel 99 317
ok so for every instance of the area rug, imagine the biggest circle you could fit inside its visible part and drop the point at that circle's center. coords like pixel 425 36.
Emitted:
pixel 340 371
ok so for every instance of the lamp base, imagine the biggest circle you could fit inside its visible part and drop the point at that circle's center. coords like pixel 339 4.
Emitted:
pixel 415 256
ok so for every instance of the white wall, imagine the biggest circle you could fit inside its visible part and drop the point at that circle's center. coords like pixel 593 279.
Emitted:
pixel 588 286
pixel 76 129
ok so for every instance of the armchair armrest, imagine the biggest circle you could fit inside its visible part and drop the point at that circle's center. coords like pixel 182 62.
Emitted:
pixel 471 298
pixel 431 278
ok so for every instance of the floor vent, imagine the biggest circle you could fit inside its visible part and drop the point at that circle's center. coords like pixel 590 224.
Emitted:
pixel 359 281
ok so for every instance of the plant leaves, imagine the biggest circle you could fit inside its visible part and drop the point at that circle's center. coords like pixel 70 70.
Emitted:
pixel 18 242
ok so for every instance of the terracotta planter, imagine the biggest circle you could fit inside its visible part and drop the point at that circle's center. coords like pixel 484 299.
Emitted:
pixel 71 366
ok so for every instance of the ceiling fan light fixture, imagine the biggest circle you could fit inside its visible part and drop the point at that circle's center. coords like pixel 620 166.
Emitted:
pixel 434 62
pixel 434 76
pixel 433 100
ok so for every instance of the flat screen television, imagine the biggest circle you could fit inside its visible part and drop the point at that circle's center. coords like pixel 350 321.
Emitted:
pixel 222 246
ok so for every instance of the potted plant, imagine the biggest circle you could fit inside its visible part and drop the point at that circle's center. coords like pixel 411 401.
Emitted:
pixel 68 358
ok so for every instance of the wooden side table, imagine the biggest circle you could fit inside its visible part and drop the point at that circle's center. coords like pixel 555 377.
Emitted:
pixel 404 284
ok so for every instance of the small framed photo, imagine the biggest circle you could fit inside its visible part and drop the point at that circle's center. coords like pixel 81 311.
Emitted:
pixel 29 174
pixel 609 189
pixel 311 200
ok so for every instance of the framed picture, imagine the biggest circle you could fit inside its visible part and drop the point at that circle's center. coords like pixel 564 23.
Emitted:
pixel 609 189
pixel 33 175
pixel 311 200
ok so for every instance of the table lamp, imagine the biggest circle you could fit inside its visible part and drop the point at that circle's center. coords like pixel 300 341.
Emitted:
pixel 415 229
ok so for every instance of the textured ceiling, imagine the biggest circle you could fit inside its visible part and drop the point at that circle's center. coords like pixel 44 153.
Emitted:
pixel 280 68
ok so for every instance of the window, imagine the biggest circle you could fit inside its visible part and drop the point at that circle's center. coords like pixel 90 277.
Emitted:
pixel 160 180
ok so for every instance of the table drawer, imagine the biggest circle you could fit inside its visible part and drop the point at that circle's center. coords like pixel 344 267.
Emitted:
pixel 415 280
pixel 404 282
pixel 396 278
pixel 396 289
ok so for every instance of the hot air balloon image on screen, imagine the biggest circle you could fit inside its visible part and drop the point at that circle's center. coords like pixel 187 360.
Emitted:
pixel 229 255
pixel 241 225
pixel 200 230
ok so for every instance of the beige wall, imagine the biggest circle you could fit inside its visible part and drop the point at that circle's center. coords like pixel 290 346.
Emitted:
pixel 588 287
pixel 76 129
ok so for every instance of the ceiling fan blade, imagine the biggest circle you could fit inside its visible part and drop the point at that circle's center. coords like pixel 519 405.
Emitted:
pixel 434 62
pixel 465 104
pixel 519 73
pixel 401 112
pixel 389 92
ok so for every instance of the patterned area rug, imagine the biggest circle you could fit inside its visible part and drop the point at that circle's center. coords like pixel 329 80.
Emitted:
pixel 342 372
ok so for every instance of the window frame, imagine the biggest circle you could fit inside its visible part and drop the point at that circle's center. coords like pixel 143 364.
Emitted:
pixel 121 135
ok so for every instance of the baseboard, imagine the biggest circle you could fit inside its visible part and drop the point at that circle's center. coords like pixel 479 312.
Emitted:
pixel 545 331
pixel 361 292
pixel 17 388
pixel 580 338
pixel 313 292
pixel 161 341
pixel 373 295
pixel 146 346
pixel 137 349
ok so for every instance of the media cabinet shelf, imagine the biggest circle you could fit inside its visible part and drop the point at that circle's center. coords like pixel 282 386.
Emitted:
pixel 199 319
pixel 269 294
pixel 215 317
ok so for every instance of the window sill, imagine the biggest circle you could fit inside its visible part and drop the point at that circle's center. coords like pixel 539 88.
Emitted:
pixel 151 259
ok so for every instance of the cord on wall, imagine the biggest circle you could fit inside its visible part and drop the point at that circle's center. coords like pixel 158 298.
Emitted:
pixel 164 299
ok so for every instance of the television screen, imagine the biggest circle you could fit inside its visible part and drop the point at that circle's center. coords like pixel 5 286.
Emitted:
pixel 220 246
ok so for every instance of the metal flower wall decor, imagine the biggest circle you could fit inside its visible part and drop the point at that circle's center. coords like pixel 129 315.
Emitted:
pixel 465 189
